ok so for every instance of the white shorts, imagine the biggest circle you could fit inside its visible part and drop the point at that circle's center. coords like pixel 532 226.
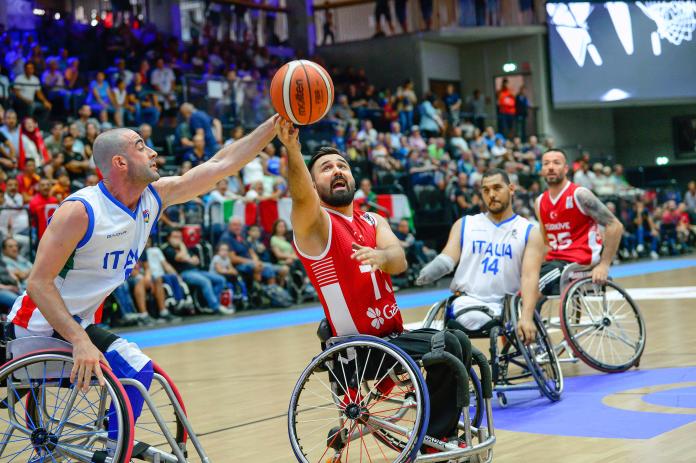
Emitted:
pixel 474 319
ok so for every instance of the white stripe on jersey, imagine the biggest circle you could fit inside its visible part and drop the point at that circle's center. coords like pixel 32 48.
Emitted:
pixel 491 258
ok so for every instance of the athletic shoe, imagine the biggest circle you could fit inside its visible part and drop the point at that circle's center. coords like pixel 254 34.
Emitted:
pixel 224 310
pixel 640 248
pixel 654 255
pixel 206 310
pixel 169 317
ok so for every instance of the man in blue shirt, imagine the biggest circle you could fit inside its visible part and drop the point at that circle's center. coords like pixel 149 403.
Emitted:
pixel 200 122
pixel 242 256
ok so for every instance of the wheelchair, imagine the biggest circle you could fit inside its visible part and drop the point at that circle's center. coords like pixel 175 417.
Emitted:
pixel 515 366
pixel 47 419
pixel 363 397
pixel 600 324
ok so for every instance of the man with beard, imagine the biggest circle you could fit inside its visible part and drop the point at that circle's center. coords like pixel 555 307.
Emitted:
pixel 571 216
pixel 93 242
pixel 497 253
pixel 349 256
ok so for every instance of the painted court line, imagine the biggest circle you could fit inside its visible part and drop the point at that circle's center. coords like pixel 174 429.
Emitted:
pixel 282 319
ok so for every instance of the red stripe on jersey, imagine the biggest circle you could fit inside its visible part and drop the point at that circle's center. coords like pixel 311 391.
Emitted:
pixel 99 313
pixel 26 310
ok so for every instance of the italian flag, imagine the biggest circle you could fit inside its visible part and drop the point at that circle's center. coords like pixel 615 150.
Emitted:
pixel 397 207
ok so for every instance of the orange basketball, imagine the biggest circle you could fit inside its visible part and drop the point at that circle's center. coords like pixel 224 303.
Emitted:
pixel 302 92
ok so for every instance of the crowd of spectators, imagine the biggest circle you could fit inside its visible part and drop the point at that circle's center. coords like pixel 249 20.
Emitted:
pixel 432 148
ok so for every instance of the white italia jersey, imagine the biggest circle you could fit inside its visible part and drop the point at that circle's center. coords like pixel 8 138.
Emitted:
pixel 491 260
pixel 103 259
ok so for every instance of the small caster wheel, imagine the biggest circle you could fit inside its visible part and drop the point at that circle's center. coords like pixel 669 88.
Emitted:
pixel 502 399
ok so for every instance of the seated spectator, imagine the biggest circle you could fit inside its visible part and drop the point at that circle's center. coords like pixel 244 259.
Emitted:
pixel 31 144
pixel 416 251
pixel 84 117
pixel 253 171
pixel 145 131
pixel 341 112
pixel 120 72
pixel 100 97
pixel 532 146
pixel 9 288
pixel 77 164
pixel 421 169
pixel 282 249
pixel 157 272
pixel 669 222
pixel 18 265
pixel 28 180
pixel 457 143
pixel 163 80
pixel 367 133
pixel 73 77
pixel 222 265
pixel 145 102
pixel 604 185
pixel 62 188
pixel 10 130
pixel 381 158
pixel 17 220
pixel 584 177
pixel 124 109
pixel 187 265
pixel 490 136
pixel 690 197
pixel 38 206
pixel 498 151
pixel 416 141
pixel 645 229
pixel 54 142
pixel 275 165
pixel 198 154
pixel 243 256
pixel 201 123
pixel 54 84
pixel 29 99
pixel 365 191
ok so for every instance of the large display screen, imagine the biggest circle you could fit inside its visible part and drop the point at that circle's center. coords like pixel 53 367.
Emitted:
pixel 612 53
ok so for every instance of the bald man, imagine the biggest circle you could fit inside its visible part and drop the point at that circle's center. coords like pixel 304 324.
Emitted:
pixel 94 241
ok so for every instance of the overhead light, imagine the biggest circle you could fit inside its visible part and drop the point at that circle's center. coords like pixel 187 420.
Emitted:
pixel 39 11
pixel 94 23
pixel 56 16
pixel 509 67
pixel 662 160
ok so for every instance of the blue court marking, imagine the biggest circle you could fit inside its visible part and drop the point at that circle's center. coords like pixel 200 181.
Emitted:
pixel 282 319
pixel 581 413
pixel 684 397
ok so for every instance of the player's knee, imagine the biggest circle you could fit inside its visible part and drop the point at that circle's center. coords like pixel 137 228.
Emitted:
pixel 128 361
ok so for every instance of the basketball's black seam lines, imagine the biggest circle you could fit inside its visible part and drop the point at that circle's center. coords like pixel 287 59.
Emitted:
pixel 309 92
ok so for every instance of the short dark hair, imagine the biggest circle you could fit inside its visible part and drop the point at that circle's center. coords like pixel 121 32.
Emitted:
pixel 323 151
pixel 495 171
pixel 556 150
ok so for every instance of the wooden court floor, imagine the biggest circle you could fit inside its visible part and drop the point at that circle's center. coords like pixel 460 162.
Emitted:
pixel 237 389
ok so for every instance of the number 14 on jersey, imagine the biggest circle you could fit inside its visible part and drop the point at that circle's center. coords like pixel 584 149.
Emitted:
pixel 490 265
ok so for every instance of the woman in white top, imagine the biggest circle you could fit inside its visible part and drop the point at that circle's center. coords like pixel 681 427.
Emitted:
pixel 121 104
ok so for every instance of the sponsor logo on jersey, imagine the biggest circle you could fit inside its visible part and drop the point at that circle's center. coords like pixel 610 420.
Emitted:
pixel 514 233
pixel 569 202
pixel 369 219
pixel 378 315
pixel 146 215
pixel 117 234
pixel 557 226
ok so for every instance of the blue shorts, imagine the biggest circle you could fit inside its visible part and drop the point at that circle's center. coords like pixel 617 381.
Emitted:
pixel 268 270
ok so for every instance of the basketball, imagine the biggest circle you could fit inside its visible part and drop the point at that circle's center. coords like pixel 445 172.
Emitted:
pixel 302 92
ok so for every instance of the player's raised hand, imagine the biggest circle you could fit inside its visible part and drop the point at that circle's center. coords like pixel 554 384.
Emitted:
pixel 287 133
pixel 375 258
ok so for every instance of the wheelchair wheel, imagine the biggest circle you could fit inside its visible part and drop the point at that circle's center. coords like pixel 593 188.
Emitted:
pixel 45 418
pixel 540 357
pixel 436 316
pixel 603 325
pixel 363 398
pixel 146 427
pixel 476 406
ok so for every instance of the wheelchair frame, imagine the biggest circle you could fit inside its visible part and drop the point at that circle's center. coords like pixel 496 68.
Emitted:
pixel 23 351
pixel 444 451
pixel 507 326
pixel 566 350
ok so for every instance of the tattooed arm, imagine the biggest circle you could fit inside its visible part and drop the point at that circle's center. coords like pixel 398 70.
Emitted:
pixel 613 230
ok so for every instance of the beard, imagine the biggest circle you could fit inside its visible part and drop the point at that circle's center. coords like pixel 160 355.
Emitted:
pixel 554 179
pixel 498 206
pixel 143 174
pixel 340 198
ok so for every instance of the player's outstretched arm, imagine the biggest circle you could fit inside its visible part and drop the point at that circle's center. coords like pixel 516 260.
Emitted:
pixel 532 259
pixel 445 262
pixel 388 256
pixel 613 230
pixel 310 224
pixel 229 160
pixel 68 226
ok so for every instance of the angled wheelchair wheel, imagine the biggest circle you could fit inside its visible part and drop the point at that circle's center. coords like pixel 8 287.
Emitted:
pixel 45 418
pixel 360 400
pixel 436 316
pixel 603 325
pixel 476 406
pixel 540 357
pixel 147 430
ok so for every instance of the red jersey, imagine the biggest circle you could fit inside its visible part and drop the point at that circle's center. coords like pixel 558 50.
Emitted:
pixel 355 299
pixel 572 234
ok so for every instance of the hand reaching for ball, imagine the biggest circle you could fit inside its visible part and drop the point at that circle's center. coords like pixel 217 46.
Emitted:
pixel 287 133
